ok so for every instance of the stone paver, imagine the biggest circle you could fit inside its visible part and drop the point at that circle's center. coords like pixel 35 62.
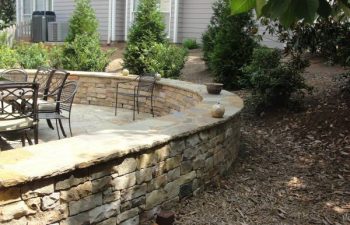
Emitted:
pixel 86 119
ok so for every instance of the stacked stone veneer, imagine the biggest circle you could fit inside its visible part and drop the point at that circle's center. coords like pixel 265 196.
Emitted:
pixel 100 89
pixel 105 179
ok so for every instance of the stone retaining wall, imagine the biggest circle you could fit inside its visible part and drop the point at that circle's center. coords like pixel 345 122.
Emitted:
pixel 123 176
pixel 100 89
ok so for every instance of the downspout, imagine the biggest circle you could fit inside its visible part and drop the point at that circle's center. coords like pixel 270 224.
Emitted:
pixel 18 12
pixel 114 8
pixel 131 11
pixel 126 20
pixel 109 22
pixel 176 19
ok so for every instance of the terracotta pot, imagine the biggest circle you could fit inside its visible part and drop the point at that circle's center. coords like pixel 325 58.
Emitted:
pixel 214 88
pixel 218 110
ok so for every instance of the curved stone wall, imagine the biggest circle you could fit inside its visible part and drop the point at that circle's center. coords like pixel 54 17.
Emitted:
pixel 122 176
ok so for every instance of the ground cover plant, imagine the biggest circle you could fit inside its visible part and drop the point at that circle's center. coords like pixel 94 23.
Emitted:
pixel 190 44
pixel 8 57
pixel 228 44
pixel 32 56
pixel 147 44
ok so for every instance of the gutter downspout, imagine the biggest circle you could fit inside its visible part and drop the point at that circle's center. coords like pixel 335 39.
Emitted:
pixel 109 22
pixel 176 19
pixel 126 20
pixel 114 7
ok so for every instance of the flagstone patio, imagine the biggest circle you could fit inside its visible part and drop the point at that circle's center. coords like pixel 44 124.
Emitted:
pixel 86 119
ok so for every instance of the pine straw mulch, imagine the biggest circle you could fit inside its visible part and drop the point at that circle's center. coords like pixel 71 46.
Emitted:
pixel 293 168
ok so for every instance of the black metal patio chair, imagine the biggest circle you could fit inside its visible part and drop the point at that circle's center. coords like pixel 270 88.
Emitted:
pixel 51 81
pixel 19 111
pixel 15 75
pixel 144 88
pixel 63 107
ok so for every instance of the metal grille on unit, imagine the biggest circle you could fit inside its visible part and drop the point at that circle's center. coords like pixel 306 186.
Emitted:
pixel 57 31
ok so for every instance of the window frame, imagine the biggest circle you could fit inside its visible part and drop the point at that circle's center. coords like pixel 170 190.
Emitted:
pixel 134 7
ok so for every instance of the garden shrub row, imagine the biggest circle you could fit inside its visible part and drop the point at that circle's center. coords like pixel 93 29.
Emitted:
pixel 233 55
pixel 81 50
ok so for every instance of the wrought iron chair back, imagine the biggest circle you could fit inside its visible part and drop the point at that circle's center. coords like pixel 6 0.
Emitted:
pixel 15 75
pixel 56 83
pixel 42 77
pixel 64 102
pixel 146 83
pixel 20 101
pixel 66 96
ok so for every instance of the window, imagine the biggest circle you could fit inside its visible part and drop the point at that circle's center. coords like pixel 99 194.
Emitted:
pixel 164 7
pixel 36 5
pixel 27 7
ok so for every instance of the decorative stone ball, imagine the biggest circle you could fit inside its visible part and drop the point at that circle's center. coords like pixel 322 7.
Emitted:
pixel 218 110
pixel 158 76
pixel 125 72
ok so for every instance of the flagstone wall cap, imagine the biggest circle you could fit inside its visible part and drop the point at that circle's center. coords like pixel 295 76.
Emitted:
pixel 54 158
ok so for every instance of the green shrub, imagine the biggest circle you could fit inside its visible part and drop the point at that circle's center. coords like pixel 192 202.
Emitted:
pixel 32 56
pixel 147 30
pixel 56 56
pixel 85 54
pixel 82 50
pixel 273 84
pixel 168 60
pixel 263 58
pixel 83 20
pixel 7 13
pixel 228 44
pixel 190 44
pixel 3 39
pixel 326 37
pixel 8 57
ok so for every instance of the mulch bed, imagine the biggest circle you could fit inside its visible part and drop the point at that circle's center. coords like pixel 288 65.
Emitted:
pixel 293 167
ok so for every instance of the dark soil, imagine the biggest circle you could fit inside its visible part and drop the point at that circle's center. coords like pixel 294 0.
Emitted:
pixel 293 167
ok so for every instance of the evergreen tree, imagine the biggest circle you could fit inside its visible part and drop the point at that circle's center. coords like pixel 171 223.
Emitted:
pixel 82 50
pixel 147 30
pixel 228 43
pixel 7 13
pixel 83 20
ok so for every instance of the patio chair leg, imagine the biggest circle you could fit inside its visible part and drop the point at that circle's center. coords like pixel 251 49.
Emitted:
pixel 50 124
pixel 36 135
pixel 28 139
pixel 58 131
pixel 116 103
pixel 152 111
pixel 70 128
pixel 23 139
pixel 62 129
pixel 133 117
pixel 138 106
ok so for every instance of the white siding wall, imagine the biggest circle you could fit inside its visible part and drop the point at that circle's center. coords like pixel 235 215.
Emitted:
pixel 194 18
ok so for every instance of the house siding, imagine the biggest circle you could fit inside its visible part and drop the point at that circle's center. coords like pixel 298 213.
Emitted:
pixel 120 20
pixel 65 8
pixel 194 18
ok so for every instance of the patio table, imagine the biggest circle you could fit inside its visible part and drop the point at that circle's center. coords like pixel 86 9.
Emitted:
pixel 19 92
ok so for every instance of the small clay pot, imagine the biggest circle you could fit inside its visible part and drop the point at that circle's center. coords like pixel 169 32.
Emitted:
pixel 218 110
pixel 214 88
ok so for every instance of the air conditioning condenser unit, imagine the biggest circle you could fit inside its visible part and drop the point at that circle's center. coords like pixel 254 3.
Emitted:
pixel 57 31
